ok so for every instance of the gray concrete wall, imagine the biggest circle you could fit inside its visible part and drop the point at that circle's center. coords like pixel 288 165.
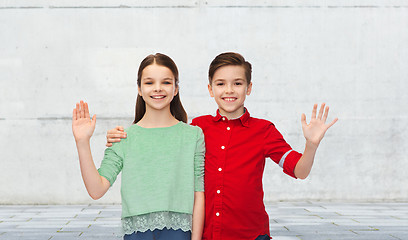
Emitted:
pixel 352 55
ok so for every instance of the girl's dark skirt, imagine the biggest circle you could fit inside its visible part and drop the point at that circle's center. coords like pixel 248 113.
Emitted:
pixel 165 234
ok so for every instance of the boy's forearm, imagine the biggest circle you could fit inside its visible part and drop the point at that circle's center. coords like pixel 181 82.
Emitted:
pixel 94 183
pixel 198 216
pixel 305 163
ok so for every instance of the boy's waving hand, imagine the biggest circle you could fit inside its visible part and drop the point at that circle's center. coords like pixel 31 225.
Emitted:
pixel 315 130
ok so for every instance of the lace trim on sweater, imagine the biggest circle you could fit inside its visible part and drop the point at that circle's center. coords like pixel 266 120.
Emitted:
pixel 157 220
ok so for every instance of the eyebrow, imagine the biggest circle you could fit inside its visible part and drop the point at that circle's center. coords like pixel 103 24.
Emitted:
pixel 235 79
pixel 149 78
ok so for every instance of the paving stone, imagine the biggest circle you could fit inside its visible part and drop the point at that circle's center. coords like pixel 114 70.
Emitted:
pixel 286 238
pixel 289 221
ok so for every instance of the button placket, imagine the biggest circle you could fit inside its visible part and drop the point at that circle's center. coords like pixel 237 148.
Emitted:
pixel 223 148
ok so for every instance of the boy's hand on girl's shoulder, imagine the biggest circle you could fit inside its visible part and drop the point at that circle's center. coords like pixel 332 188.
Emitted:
pixel 114 135
pixel 315 130
pixel 82 125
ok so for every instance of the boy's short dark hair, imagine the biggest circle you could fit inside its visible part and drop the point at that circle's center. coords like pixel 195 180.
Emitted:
pixel 230 58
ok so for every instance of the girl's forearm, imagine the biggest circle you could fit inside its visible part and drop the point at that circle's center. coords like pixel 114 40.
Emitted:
pixel 198 216
pixel 95 184
pixel 305 163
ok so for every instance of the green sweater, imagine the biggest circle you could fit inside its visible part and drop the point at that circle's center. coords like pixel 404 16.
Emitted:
pixel 161 168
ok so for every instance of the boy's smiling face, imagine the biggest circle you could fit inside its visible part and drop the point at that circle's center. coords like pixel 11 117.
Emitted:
pixel 229 88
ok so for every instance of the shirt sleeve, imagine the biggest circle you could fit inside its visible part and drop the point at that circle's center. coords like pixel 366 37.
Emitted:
pixel 112 163
pixel 199 162
pixel 276 148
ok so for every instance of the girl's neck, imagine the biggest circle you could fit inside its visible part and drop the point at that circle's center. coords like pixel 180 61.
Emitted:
pixel 157 119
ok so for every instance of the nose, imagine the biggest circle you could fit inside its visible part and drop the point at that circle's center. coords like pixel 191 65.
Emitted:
pixel 229 88
pixel 157 87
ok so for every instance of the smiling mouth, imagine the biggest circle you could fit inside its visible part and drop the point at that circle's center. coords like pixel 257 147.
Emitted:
pixel 229 99
pixel 158 97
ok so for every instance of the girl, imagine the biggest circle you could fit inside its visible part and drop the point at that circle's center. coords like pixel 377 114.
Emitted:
pixel 162 159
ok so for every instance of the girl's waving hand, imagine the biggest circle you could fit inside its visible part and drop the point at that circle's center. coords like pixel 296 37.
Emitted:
pixel 82 126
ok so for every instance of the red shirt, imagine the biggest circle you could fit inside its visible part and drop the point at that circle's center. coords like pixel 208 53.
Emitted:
pixel 234 164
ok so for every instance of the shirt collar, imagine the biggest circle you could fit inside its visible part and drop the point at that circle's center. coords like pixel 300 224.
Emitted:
pixel 243 118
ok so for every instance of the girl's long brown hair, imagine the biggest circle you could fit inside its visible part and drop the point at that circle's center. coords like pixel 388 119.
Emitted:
pixel 176 108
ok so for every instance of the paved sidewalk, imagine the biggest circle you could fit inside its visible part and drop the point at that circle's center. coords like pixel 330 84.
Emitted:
pixel 289 221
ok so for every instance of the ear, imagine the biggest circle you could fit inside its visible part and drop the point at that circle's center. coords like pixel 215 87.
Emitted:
pixel 176 91
pixel 210 90
pixel 249 89
pixel 139 91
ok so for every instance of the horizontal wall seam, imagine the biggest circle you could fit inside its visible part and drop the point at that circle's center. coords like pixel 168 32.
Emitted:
pixel 164 7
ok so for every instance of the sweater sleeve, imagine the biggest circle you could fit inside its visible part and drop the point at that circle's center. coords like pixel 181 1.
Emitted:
pixel 199 162
pixel 112 163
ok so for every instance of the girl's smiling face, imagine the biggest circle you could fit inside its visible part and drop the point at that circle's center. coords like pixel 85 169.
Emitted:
pixel 229 88
pixel 157 87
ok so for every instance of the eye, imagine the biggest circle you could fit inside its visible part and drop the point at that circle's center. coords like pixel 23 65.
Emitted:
pixel 238 83
pixel 148 83
pixel 168 82
pixel 219 84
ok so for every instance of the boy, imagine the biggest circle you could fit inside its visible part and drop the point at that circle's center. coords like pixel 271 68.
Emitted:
pixel 236 147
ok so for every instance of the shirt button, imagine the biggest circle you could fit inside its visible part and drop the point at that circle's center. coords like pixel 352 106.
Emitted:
pixel 218 191
pixel 217 214
pixel 222 147
pixel 223 119
pixel 219 169
pixel 228 128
